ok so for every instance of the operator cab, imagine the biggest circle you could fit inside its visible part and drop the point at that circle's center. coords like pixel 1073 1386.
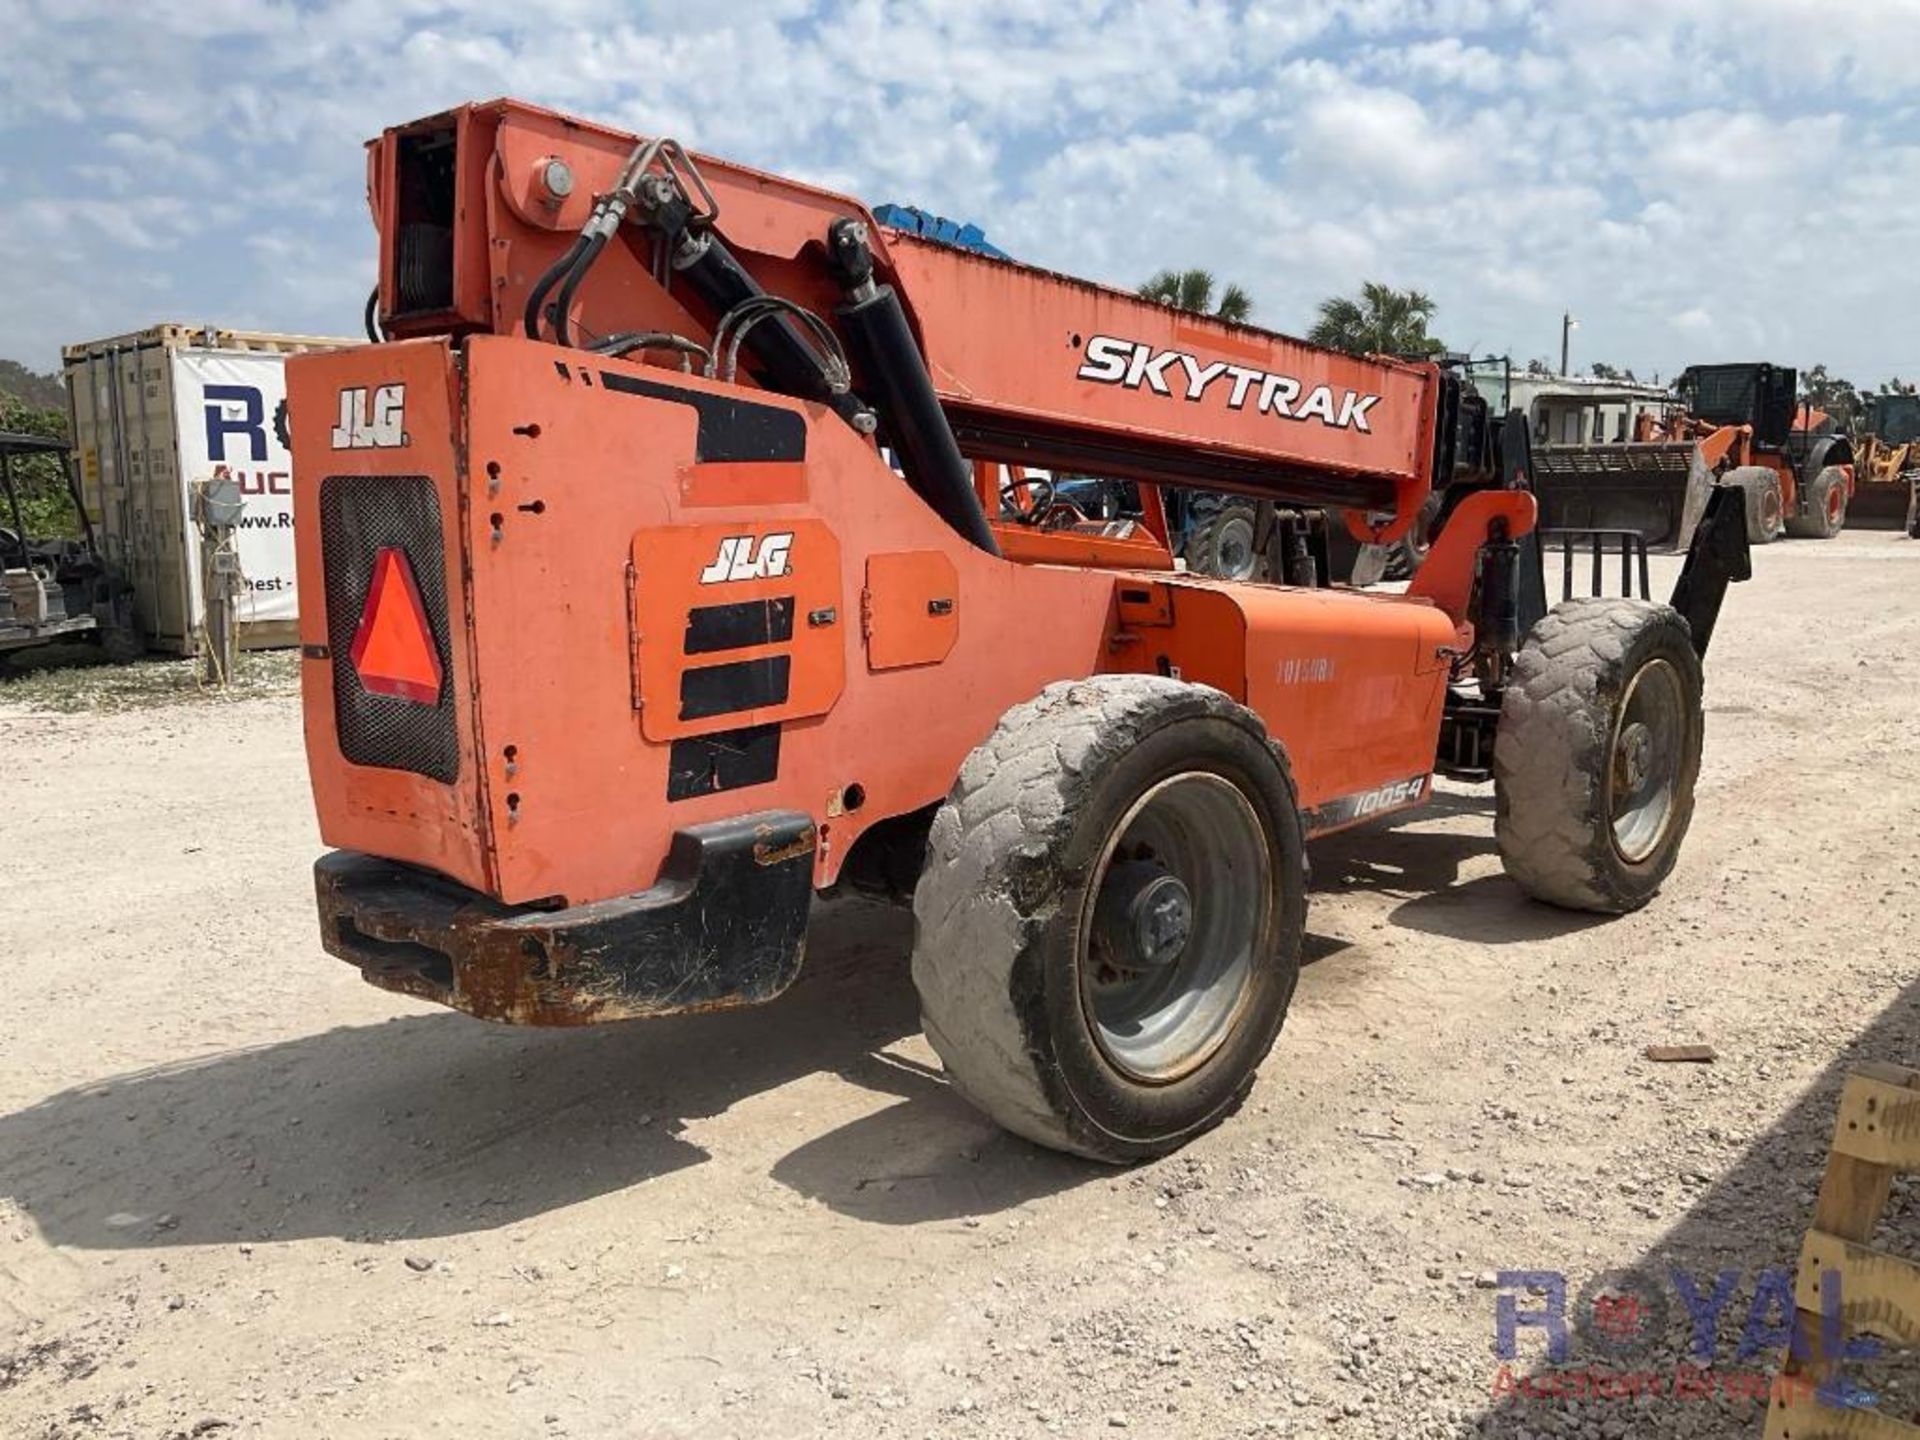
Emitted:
pixel 1763 396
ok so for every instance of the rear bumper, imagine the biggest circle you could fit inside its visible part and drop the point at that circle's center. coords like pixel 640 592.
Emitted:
pixel 725 926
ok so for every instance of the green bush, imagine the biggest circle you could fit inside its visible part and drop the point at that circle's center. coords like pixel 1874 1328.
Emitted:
pixel 40 481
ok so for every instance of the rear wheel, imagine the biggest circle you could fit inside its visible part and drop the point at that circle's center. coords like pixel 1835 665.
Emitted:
pixel 1761 487
pixel 1107 930
pixel 1826 513
pixel 1597 752
pixel 1220 537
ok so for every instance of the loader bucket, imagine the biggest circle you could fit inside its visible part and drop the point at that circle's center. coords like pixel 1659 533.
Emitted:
pixel 1881 506
pixel 1882 476
pixel 1659 491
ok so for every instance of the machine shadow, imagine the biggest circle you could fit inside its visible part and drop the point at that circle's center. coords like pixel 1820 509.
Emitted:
pixel 1423 869
pixel 1751 1220
pixel 435 1124
pixel 933 1157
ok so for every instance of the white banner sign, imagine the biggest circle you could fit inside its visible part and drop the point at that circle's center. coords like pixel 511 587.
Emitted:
pixel 225 403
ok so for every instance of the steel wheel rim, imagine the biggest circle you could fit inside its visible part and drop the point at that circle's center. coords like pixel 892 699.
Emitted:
pixel 1643 763
pixel 1836 505
pixel 1234 550
pixel 1159 1025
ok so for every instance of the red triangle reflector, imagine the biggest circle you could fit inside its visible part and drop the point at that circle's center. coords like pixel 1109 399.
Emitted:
pixel 393 650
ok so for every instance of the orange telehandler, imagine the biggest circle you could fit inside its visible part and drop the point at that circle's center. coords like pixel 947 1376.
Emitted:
pixel 655 577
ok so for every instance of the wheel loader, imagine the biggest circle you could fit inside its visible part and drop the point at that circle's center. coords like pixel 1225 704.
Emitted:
pixel 1887 463
pixel 655 582
pixel 1737 427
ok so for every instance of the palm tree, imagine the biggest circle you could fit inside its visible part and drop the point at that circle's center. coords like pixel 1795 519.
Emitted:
pixel 1383 321
pixel 1193 290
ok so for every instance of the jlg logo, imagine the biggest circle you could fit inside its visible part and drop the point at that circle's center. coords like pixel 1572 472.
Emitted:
pixel 738 559
pixel 376 421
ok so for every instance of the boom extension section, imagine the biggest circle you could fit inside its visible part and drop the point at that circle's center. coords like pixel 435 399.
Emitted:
pixel 506 219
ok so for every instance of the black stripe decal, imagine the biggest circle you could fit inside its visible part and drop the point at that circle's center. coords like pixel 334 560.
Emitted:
pixel 730 430
pixel 708 764
pixel 734 627
pixel 1382 800
pixel 743 685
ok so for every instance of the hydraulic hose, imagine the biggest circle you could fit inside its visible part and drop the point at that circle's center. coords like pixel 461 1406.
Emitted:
pixel 537 297
pixel 563 302
pixel 627 341
pixel 604 222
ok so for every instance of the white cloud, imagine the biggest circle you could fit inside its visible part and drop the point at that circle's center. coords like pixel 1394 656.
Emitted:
pixel 1382 136
pixel 1691 178
pixel 1738 151
pixel 1446 61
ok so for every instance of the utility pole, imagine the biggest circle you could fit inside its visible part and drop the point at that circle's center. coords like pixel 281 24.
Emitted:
pixel 1567 326
pixel 217 507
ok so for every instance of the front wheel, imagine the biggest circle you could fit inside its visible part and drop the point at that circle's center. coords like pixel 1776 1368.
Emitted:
pixel 1596 754
pixel 1764 505
pixel 1108 927
pixel 1826 513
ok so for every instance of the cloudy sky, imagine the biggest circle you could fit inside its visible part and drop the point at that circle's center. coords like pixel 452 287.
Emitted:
pixel 1694 179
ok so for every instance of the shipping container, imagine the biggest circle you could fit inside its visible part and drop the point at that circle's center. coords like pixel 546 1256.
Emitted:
pixel 155 411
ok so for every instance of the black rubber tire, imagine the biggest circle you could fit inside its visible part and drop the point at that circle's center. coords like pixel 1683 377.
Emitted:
pixel 1763 502
pixel 1002 905
pixel 1409 552
pixel 1371 565
pixel 1554 750
pixel 1403 558
pixel 1826 513
pixel 1220 538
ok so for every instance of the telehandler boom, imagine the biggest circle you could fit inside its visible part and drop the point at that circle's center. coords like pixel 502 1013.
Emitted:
pixel 657 577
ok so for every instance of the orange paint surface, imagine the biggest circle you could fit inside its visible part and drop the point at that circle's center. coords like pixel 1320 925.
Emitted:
pixel 569 663
pixel 621 611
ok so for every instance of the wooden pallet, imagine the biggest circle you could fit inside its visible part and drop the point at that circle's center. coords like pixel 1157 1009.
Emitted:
pixel 1875 1137
pixel 176 336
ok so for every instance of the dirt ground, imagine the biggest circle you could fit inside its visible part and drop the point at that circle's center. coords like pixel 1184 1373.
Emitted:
pixel 244 1194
